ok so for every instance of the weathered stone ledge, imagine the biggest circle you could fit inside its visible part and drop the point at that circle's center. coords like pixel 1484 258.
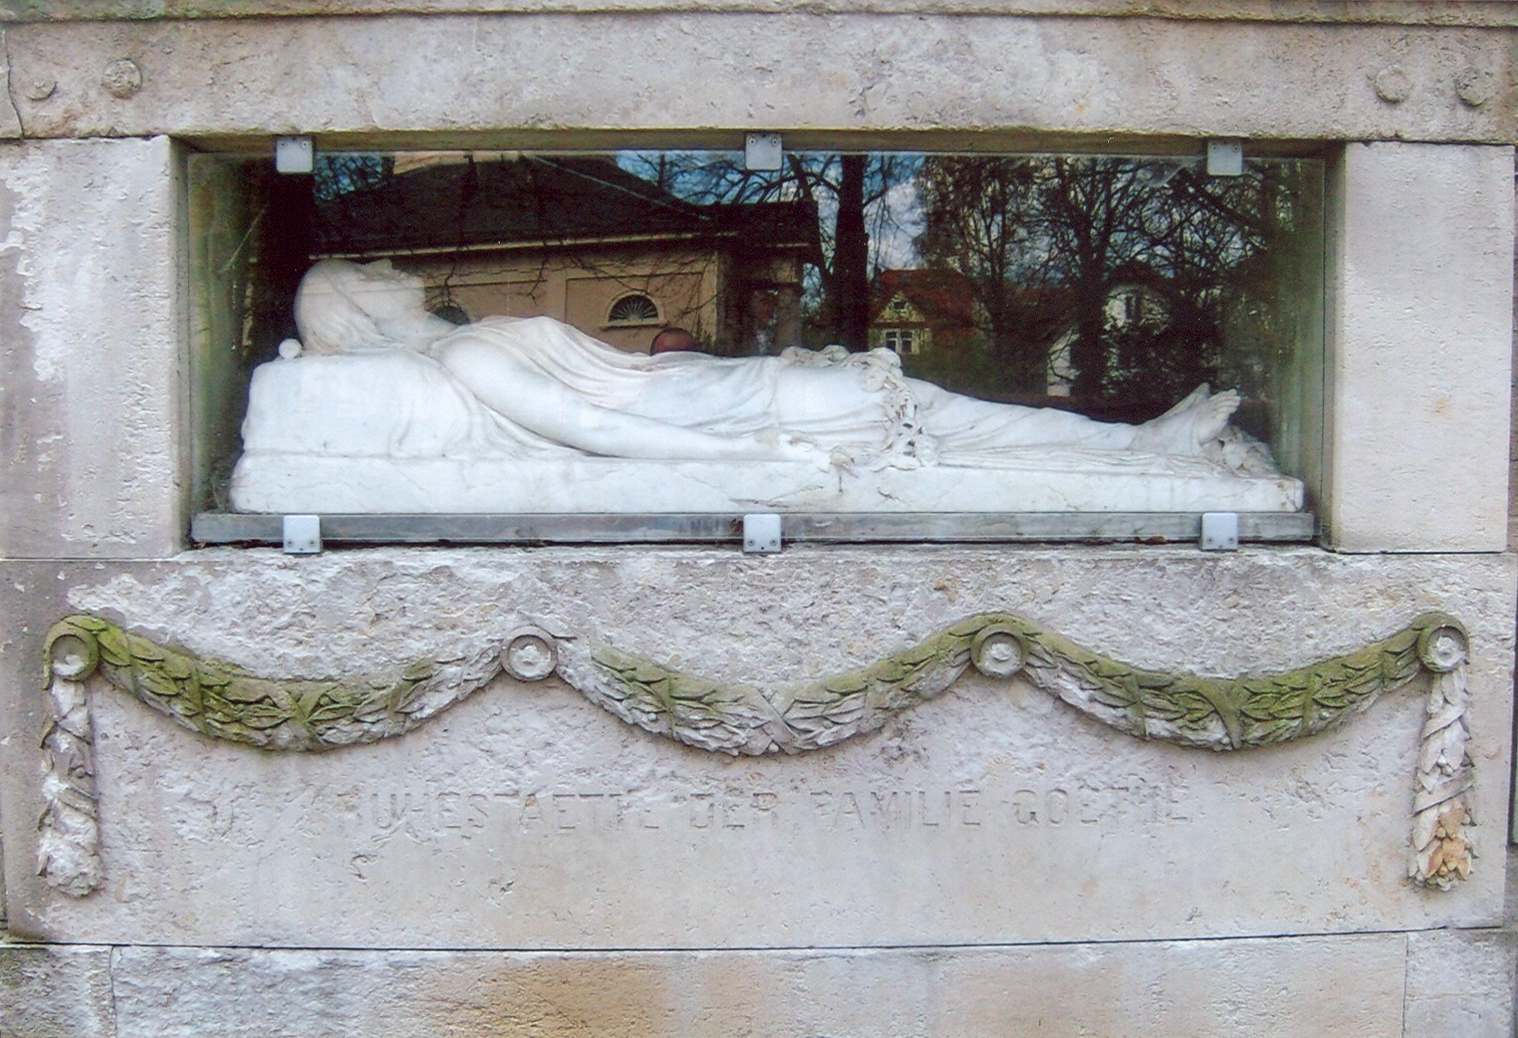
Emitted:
pixel 1387 12
pixel 1417 985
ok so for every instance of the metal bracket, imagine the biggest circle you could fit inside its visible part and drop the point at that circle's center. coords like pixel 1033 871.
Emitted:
pixel 1220 531
pixel 761 533
pixel 294 155
pixel 303 534
pixel 1225 158
pixel 762 151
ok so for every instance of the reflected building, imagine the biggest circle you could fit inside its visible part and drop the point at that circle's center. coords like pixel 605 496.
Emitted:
pixel 914 312
pixel 582 240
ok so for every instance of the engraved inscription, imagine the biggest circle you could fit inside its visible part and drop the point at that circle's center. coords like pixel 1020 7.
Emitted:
pixel 732 811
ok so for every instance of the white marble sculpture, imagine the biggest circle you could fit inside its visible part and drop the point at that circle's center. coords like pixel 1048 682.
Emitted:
pixel 390 409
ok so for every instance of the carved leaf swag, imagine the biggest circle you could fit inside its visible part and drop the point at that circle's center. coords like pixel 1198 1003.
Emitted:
pixel 226 702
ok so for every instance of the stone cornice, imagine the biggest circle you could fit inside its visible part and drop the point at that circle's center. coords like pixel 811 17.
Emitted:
pixel 480 80
pixel 1463 14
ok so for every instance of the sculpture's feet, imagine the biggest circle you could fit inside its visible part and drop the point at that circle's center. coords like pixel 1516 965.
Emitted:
pixel 1211 414
pixel 1191 425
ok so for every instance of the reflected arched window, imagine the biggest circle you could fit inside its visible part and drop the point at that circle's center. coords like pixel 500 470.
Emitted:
pixel 634 308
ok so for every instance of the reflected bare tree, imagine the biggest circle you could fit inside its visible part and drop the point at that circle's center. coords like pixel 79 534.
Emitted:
pixel 1139 276
pixel 1134 267
pixel 845 189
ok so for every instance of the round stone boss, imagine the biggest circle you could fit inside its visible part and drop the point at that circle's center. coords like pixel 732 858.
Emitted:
pixel 73 656
pixel 1442 649
pixel 530 655
pixel 122 78
pixel 997 652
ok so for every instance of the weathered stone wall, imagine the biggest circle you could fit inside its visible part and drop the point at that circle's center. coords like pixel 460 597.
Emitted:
pixel 509 78
pixel 973 828
pixel 1435 983
pixel 93 367
pixel 1414 236
pixel 526 817
pixel 990 862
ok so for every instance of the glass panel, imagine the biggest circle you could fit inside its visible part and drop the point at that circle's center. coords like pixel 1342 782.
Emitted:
pixel 1106 285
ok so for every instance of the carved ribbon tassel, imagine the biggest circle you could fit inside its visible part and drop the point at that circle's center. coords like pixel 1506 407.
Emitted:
pixel 68 852
pixel 1441 850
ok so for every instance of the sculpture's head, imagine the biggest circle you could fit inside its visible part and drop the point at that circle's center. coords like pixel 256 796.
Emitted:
pixel 673 340
pixel 343 307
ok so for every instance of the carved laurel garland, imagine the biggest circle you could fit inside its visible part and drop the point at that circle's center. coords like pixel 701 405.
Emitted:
pixel 226 702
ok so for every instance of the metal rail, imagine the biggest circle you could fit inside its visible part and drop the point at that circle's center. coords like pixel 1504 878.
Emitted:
pixel 838 528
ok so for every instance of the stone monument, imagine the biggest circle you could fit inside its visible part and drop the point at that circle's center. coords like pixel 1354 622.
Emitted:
pixel 851 788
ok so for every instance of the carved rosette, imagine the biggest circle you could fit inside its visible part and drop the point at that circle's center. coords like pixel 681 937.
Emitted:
pixel 226 702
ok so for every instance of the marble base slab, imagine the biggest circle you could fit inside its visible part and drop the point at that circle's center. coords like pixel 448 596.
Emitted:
pixel 1050 481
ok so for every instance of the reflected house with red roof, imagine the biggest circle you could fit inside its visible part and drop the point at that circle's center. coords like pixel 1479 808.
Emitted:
pixel 916 312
